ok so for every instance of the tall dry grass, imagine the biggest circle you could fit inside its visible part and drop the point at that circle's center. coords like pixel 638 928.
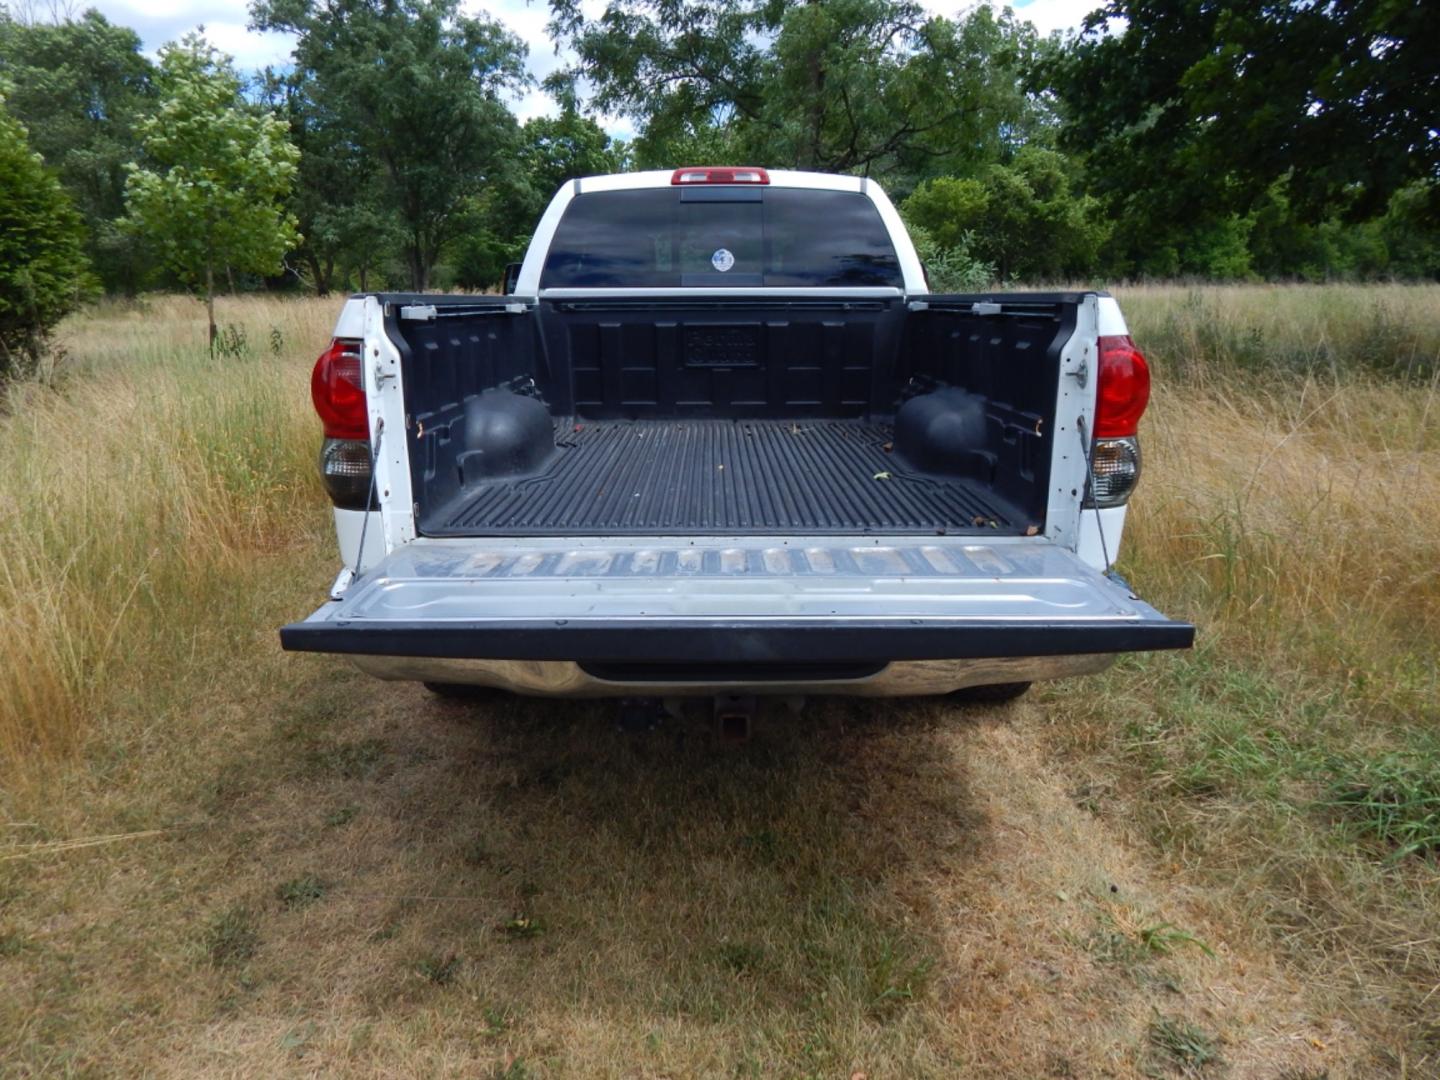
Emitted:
pixel 1293 468
pixel 138 471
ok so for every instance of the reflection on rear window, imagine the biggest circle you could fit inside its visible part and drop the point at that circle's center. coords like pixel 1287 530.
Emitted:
pixel 651 237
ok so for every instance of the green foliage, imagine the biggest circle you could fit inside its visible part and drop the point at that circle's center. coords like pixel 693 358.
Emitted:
pixel 867 86
pixel 79 86
pixel 1222 100
pixel 951 269
pixel 1024 217
pixel 1219 250
pixel 211 194
pixel 1199 123
pixel 429 120
pixel 479 257
pixel 43 272
pixel 548 152
pixel 1410 233
pixel 1237 141
pixel 338 201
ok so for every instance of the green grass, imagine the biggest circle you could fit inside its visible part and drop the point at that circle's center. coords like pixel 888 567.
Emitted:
pixel 1393 799
pixel 231 938
pixel 301 891
pixel 1182 1047
pixel 438 969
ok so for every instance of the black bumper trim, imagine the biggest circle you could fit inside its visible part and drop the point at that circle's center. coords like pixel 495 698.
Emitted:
pixel 733 642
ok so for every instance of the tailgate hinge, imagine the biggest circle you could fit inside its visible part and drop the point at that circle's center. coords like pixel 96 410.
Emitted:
pixel 342 582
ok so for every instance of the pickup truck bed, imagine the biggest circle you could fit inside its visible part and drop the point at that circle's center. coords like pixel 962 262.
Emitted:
pixel 757 415
pixel 724 477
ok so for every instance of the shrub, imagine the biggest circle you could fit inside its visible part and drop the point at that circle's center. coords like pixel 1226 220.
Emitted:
pixel 43 272
pixel 952 269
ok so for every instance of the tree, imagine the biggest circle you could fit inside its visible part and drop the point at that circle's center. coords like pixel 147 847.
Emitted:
pixel 417 87
pixel 549 151
pixel 79 86
pixel 869 86
pixel 1024 218
pixel 1196 107
pixel 212 193
pixel 339 199
pixel 42 261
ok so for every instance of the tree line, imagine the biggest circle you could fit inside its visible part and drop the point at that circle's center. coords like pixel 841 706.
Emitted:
pixel 1223 139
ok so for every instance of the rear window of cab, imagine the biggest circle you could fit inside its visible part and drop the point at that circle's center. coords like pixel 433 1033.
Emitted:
pixel 720 236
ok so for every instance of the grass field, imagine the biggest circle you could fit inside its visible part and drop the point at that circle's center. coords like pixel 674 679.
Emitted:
pixel 217 858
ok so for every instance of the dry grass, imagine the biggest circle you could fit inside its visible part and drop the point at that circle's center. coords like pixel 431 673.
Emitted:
pixel 1286 510
pixel 138 476
pixel 1150 872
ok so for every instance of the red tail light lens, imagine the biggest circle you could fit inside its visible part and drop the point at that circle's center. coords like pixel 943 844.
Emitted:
pixel 338 389
pixel 1123 390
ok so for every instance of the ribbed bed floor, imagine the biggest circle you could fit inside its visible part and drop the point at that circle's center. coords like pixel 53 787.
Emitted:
pixel 717 477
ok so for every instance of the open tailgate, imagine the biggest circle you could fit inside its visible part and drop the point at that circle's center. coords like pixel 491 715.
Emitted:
pixel 756 599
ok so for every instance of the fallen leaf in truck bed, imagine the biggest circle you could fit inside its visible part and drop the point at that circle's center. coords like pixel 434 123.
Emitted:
pixel 1033 530
pixel 881 476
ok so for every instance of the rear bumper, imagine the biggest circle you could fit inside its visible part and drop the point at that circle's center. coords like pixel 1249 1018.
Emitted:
pixel 738 641
pixel 565 678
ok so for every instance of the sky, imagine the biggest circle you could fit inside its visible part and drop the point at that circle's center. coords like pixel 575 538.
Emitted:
pixel 159 21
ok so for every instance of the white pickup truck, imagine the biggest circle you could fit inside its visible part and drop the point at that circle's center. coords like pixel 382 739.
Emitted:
pixel 719 438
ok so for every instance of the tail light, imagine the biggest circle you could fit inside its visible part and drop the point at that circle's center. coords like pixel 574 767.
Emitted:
pixel 1124 387
pixel 337 387
pixel 1121 394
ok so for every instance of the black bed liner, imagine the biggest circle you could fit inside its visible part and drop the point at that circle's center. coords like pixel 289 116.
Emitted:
pixel 719 477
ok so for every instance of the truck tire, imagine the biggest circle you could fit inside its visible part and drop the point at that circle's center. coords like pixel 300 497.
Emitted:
pixel 993 694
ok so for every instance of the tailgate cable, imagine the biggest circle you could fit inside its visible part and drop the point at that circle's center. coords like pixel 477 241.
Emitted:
pixel 1090 491
pixel 374 449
